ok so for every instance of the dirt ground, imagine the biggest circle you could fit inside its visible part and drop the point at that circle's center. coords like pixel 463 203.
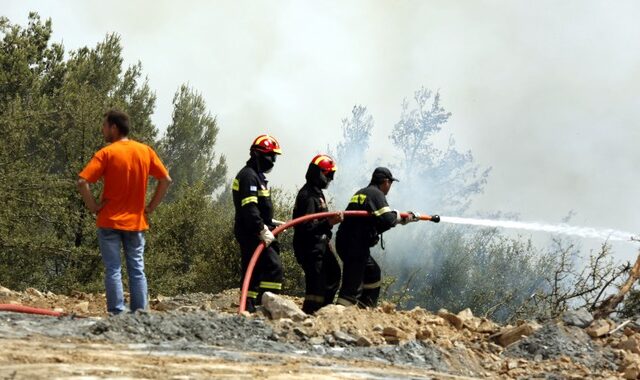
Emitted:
pixel 198 336
pixel 47 359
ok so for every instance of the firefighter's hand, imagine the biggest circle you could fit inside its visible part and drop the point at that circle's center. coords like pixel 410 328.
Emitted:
pixel 412 217
pixel 266 236
pixel 335 219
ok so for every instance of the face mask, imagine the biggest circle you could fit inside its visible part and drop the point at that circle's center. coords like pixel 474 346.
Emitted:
pixel 266 162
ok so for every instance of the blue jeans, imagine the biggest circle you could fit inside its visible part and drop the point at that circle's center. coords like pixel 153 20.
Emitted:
pixel 110 241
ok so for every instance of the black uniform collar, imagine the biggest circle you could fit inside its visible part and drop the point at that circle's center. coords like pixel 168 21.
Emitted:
pixel 251 163
pixel 313 188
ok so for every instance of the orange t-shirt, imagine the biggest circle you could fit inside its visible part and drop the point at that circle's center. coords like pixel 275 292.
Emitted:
pixel 125 167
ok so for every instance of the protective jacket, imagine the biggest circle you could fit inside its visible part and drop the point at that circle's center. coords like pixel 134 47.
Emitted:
pixel 365 231
pixel 310 200
pixel 252 201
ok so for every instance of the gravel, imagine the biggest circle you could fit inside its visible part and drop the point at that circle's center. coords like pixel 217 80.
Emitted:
pixel 555 340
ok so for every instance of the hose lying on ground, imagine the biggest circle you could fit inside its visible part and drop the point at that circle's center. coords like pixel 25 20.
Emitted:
pixel 29 310
pixel 302 219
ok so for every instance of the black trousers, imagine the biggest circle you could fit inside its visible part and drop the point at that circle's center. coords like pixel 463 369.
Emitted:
pixel 361 278
pixel 321 275
pixel 267 274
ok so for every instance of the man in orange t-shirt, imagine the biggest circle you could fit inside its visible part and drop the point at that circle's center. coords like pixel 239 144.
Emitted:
pixel 124 165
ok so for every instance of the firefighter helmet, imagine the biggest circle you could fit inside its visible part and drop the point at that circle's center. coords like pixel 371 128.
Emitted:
pixel 325 163
pixel 266 144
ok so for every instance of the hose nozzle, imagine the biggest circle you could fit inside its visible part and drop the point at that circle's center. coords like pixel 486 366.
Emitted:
pixel 435 218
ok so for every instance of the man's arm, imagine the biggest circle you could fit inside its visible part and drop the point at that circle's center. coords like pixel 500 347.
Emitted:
pixel 161 191
pixel 386 218
pixel 87 197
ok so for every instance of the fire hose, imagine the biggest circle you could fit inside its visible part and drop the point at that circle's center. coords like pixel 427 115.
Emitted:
pixel 29 310
pixel 302 219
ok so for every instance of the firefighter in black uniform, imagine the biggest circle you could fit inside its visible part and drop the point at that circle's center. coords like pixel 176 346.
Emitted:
pixel 361 277
pixel 254 219
pixel 312 239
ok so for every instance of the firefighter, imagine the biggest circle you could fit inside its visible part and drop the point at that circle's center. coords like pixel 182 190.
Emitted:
pixel 312 239
pixel 362 278
pixel 253 219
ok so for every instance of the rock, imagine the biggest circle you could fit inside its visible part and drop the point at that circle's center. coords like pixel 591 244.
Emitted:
pixel 330 310
pixel 388 307
pixel 438 321
pixel 514 334
pixel 378 328
pixel 330 339
pixel 598 328
pixel 82 307
pixel 300 332
pixel 631 343
pixel 79 295
pixel 163 305
pixel 279 307
pixel 34 292
pixel 629 358
pixel 391 331
pixel 451 318
pixel 465 314
pixel 487 326
pixel 342 336
pixel 391 339
pixel 509 365
pixel 5 292
pixel 363 341
pixel 581 318
pixel 316 340
pixel 393 335
pixel 425 333
pixel 632 371
pixel 187 308
pixel 285 323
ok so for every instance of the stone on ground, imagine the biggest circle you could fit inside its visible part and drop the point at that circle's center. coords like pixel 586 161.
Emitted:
pixel 279 307
pixel 581 318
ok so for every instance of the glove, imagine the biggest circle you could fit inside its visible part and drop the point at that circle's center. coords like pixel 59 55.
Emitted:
pixel 412 217
pixel 266 236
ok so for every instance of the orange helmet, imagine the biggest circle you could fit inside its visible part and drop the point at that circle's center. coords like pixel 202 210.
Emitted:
pixel 325 163
pixel 266 144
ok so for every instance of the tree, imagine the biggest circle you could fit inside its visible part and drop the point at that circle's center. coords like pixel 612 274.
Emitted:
pixel 350 155
pixel 188 145
pixel 52 110
pixel 435 268
pixel 433 178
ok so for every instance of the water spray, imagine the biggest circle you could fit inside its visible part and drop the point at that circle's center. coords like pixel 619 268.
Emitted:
pixel 564 229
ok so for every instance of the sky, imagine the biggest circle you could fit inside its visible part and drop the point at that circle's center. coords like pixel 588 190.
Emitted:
pixel 543 92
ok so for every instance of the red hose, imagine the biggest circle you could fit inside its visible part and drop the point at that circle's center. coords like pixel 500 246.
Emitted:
pixel 291 223
pixel 29 310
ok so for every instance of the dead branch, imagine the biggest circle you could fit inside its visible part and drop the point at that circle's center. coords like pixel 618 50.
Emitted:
pixel 610 303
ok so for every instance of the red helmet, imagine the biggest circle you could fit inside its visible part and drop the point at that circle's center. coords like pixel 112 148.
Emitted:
pixel 325 163
pixel 266 144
